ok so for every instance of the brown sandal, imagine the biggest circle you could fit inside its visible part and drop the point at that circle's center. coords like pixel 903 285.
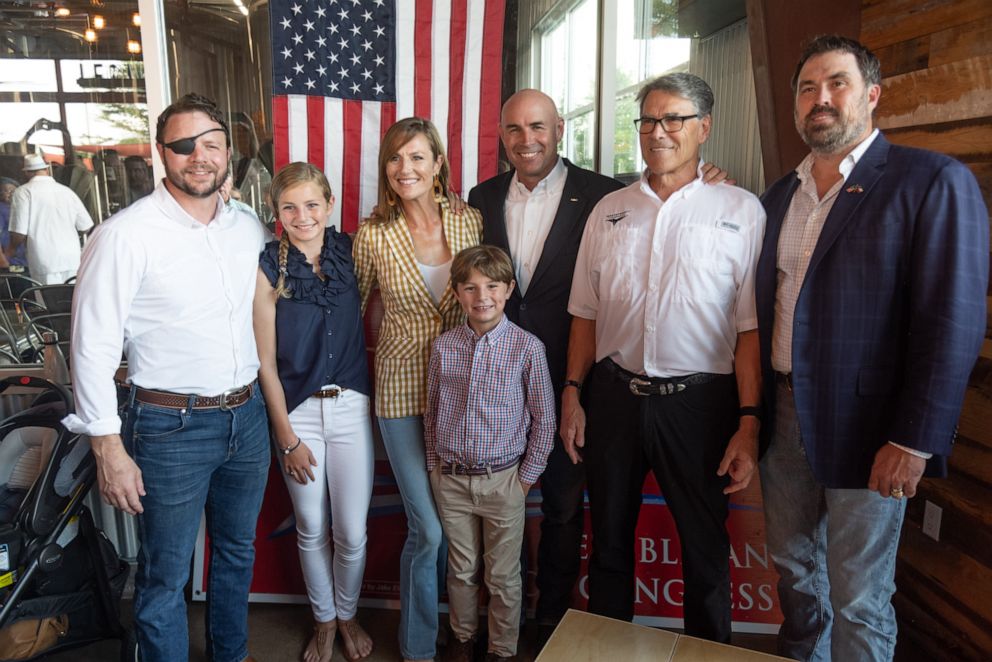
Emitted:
pixel 321 646
pixel 356 641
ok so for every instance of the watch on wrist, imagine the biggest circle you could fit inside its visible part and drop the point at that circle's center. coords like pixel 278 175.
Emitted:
pixel 572 382
pixel 750 411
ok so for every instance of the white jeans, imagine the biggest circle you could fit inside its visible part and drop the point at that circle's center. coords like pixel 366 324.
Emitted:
pixel 338 432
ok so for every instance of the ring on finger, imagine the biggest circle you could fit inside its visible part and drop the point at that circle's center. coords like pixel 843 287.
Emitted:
pixel 896 492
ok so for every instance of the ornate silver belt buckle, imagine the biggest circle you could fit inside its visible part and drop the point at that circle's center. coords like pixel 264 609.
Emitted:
pixel 635 385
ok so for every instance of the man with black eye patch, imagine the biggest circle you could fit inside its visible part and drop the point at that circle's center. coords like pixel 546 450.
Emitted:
pixel 169 281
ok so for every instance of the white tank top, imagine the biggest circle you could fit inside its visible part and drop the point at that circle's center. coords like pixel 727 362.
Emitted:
pixel 437 278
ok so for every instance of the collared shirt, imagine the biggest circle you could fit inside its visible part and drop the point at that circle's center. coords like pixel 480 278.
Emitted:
pixel 801 229
pixel 384 258
pixel 489 400
pixel 51 216
pixel 670 283
pixel 529 216
pixel 175 295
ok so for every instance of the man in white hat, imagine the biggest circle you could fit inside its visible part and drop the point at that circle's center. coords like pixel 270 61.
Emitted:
pixel 49 217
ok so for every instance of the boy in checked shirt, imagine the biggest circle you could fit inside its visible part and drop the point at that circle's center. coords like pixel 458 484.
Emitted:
pixel 488 430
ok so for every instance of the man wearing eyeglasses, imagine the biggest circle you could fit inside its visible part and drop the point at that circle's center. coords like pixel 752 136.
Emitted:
pixel 664 354
pixel 170 281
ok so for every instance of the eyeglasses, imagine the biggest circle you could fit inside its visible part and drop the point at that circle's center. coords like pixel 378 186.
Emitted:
pixel 185 146
pixel 670 123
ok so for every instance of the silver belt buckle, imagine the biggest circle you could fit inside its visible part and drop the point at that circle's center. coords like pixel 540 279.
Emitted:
pixel 635 383
pixel 223 406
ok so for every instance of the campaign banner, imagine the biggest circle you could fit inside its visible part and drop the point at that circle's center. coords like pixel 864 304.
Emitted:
pixel 658 591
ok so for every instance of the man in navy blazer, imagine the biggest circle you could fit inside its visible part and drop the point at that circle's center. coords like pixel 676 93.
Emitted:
pixel 871 311
pixel 536 213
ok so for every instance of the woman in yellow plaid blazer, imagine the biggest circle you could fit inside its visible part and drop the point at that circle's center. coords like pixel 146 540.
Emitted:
pixel 406 249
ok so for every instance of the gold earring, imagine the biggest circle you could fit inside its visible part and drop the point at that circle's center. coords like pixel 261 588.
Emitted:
pixel 438 191
pixel 390 198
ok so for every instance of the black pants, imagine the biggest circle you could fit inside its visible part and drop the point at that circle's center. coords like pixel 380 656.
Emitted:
pixel 682 438
pixel 562 486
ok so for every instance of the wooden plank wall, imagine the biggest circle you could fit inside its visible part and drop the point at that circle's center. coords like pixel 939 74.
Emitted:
pixel 937 94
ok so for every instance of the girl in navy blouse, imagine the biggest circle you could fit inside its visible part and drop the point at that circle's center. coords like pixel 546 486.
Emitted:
pixel 315 379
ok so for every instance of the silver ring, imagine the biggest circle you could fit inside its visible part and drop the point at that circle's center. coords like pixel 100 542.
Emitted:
pixel 896 492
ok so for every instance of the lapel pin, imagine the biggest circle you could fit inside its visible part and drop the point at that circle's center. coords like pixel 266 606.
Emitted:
pixel 855 188
pixel 573 199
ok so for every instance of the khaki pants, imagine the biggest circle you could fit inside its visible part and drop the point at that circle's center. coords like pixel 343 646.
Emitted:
pixel 483 518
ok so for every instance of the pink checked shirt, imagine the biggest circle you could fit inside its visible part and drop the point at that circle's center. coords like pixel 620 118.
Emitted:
pixel 489 400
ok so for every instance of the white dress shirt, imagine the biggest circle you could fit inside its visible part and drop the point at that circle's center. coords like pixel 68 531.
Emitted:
pixel 175 295
pixel 670 284
pixel 51 216
pixel 529 216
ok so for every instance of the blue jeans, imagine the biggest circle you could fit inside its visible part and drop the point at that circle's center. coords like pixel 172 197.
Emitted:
pixel 835 552
pixel 424 556
pixel 191 461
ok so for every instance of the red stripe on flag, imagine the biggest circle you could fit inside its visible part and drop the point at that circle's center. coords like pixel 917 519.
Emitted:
pixel 280 130
pixel 315 131
pixel 422 45
pixel 489 99
pixel 351 175
pixel 456 79
pixel 387 118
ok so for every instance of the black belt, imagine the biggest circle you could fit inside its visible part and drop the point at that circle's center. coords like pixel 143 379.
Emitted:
pixel 465 470
pixel 643 385
pixel 229 399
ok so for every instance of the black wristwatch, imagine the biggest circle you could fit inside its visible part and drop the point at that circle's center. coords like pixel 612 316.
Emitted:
pixel 750 411
pixel 572 382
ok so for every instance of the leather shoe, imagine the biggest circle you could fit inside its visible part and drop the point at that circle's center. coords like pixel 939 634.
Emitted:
pixel 459 651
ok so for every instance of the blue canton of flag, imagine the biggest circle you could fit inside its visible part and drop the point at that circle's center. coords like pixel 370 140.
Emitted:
pixel 334 48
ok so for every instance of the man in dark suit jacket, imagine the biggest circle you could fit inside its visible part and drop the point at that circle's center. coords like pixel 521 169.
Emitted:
pixel 536 213
pixel 871 311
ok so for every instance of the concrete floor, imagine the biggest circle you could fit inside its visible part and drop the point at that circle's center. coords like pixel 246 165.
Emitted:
pixel 279 633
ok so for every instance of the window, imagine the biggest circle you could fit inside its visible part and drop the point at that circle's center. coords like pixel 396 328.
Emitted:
pixel 593 64
pixel 568 75
pixel 647 46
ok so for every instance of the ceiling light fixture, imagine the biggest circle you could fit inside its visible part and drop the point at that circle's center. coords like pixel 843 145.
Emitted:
pixel 136 19
pixel 99 23
pixel 90 35
pixel 133 46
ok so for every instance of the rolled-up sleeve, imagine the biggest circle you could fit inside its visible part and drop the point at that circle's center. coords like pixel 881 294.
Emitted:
pixel 109 276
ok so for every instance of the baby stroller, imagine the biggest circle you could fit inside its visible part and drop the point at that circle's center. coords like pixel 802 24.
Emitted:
pixel 60 578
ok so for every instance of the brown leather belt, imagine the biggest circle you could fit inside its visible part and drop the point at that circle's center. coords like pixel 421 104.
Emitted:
pixel 229 399
pixel 332 392
pixel 465 470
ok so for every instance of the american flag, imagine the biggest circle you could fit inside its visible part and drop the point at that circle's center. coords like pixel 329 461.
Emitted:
pixel 345 70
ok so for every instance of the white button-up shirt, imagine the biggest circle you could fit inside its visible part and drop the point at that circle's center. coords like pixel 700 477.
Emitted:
pixel 670 284
pixel 51 216
pixel 529 216
pixel 175 295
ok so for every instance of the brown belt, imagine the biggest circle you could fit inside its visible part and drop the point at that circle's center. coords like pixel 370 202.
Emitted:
pixel 332 392
pixel 229 399
pixel 465 470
